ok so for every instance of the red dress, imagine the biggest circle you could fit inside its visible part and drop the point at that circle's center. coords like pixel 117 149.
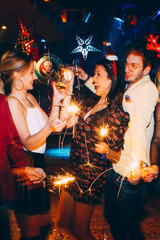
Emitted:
pixel 9 145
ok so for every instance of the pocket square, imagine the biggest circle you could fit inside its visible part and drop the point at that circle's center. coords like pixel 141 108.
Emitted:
pixel 127 98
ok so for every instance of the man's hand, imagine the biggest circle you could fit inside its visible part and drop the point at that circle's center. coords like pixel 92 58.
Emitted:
pixel 135 176
pixel 81 73
pixel 150 173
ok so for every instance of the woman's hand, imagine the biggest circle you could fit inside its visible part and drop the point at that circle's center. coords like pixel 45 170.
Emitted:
pixel 111 155
pixel 36 175
pixel 102 148
pixel 57 125
pixel 150 173
pixel 58 96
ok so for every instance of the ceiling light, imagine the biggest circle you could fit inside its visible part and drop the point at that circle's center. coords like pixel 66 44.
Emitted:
pixel 4 27
pixel 119 19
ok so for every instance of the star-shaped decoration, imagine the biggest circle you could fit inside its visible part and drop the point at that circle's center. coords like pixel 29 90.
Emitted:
pixel 26 40
pixel 84 46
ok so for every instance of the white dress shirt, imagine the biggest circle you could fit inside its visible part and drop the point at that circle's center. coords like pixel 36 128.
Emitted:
pixel 139 100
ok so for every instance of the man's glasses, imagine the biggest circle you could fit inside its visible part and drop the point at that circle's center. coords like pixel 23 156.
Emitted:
pixel 132 66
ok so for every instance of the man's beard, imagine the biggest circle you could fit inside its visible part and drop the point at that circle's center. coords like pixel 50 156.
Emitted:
pixel 137 78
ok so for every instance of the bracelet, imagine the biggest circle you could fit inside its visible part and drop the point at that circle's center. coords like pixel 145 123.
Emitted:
pixel 108 151
pixel 142 164
pixel 58 105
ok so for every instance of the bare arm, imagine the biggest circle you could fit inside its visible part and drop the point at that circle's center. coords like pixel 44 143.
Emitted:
pixel 18 112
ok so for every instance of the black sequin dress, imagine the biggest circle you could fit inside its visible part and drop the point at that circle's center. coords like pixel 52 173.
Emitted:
pixel 87 166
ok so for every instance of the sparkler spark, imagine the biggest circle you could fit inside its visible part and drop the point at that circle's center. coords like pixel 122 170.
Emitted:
pixel 60 180
pixel 104 131
pixel 63 180
pixel 134 165
pixel 73 109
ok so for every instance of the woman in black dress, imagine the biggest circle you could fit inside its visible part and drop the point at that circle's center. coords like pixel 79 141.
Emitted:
pixel 79 198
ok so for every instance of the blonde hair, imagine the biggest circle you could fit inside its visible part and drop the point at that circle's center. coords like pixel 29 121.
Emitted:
pixel 12 61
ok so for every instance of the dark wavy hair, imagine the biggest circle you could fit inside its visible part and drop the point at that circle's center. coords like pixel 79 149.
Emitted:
pixel 116 92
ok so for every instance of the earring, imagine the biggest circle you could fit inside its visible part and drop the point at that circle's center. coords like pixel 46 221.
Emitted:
pixel 18 85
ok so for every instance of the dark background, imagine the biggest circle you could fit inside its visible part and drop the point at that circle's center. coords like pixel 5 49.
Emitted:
pixel 60 37
pixel 140 18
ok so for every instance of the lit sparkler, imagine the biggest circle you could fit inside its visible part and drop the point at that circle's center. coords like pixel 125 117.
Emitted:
pixel 135 168
pixel 60 180
pixel 104 131
pixel 73 109
pixel 134 165
pixel 63 180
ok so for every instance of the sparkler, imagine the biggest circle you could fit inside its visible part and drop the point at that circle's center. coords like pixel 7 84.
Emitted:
pixel 88 164
pixel 63 180
pixel 73 109
pixel 134 165
pixel 135 169
pixel 60 180
pixel 103 131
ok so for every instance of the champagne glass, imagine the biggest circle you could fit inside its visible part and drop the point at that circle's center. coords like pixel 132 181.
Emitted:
pixel 61 86
pixel 66 72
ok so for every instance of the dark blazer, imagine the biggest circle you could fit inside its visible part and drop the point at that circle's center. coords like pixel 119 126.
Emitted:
pixel 12 153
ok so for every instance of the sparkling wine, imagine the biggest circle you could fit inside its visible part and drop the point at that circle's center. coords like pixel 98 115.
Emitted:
pixel 61 86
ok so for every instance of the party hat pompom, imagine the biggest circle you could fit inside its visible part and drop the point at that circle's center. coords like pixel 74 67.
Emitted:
pixel 110 55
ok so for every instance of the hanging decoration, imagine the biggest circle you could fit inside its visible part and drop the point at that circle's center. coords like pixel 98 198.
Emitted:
pixel 153 44
pixel 84 46
pixel 110 54
pixel 46 67
pixel 26 40
pixel 132 20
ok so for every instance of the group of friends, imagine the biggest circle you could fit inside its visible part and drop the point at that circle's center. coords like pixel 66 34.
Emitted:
pixel 113 169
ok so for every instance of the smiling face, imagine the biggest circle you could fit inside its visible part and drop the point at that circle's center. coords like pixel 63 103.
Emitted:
pixel 28 77
pixel 101 81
